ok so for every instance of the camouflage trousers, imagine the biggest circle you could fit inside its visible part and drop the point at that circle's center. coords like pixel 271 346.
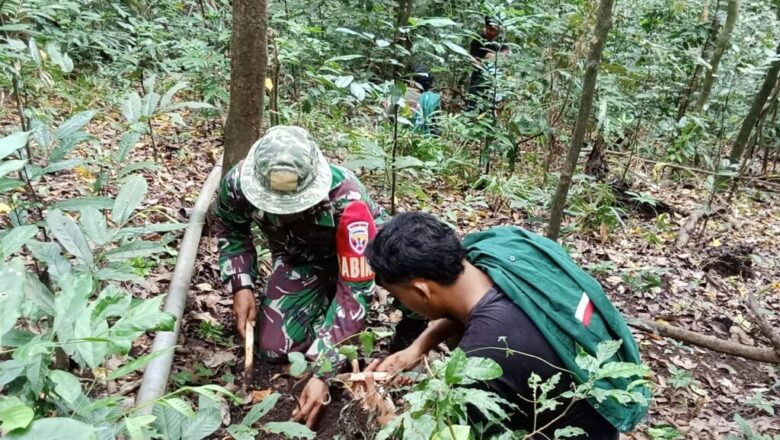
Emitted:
pixel 299 307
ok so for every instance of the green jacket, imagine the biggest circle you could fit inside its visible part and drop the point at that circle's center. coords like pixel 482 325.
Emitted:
pixel 566 304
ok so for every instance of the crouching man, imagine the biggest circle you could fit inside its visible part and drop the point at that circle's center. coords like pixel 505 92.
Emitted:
pixel 507 288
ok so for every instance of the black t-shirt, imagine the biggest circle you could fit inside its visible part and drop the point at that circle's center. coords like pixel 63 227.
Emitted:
pixel 480 48
pixel 496 322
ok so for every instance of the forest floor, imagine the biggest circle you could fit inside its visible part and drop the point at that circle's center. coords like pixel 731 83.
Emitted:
pixel 701 287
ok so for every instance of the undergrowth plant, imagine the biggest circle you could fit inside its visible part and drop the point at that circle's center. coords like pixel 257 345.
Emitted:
pixel 438 406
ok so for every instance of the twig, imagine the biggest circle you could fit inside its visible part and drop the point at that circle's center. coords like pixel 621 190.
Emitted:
pixel 767 355
pixel 763 322
pixel 249 343
pixel 688 227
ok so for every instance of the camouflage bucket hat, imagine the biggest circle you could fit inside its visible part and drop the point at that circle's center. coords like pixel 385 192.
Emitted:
pixel 285 172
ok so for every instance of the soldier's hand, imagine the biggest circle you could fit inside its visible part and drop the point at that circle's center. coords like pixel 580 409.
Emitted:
pixel 244 309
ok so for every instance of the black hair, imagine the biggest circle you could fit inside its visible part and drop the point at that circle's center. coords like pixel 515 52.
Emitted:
pixel 416 245
pixel 423 77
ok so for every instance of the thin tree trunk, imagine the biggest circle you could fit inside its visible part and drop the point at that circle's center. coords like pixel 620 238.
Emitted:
pixel 732 11
pixel 760 98
pixel 682 108
pixel 603 23
pixel 248 60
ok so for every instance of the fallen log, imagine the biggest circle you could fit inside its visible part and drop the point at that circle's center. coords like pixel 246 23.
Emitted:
pixel 688 227
pixel 767 355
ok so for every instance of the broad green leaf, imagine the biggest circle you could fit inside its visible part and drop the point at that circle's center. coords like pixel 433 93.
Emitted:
pixel 478 368
pixel 145 316
pixel 343 58
pixel 137 364
pixel 456 48
pixel 131 107
pixel 202 425
pixel 14 414
pixel 135 426
pixel 125 273
pixel 69 235
pixel 192 105
pixel 621 370
pixel 461 432
pixel 357 90
pixel 70 303
pixel 9 166
pixel 51 254
pixel 368 339
pixel 112 301
pixel 420 427
pixel 241 432
pixel 133 167
pixel 62 165
pixel 90 342
pixel 290 430
pixel 9 184
pixel 94 224
pixel 167 98
pixel 149 104
pixel 350 351
pixel 38 293
pixel 435 22
pixel 13 142
pixel 74 124
pixel 126 144
pixel 179 405
pixel 16 238
pixel 54 428
pixel 606 350
pixel 79 203
pixel 169 421
pixel 260 410
pixel 129 197
pixel 66 386
pixel 135 231
pixel 343 81
pixel 456 367
pixel 10 370
pixel 298 363
pixel 490 404
pixel 135 249
pixel 390 428
pixel 569 431
pixel 59 58
pixel 404 162
pixel 11 293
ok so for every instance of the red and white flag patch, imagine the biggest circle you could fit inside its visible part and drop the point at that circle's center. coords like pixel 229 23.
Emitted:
pixel 584 309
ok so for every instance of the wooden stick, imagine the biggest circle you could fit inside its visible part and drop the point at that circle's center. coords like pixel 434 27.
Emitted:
pixel 767 355
pixel 378 376
pixel 249 343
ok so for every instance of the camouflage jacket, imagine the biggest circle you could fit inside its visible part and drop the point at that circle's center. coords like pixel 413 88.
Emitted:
pixel 310 238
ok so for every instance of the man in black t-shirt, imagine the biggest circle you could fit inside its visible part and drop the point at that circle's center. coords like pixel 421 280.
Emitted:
pixel 422 262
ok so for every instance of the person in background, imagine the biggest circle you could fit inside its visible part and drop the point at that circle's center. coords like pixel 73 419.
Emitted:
pixel 428 103
pixel 514 297
pixel 482 49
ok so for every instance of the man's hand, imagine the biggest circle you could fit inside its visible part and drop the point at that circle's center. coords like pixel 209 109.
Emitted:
pixel 244 309
pixel 403 360
pixel 313 397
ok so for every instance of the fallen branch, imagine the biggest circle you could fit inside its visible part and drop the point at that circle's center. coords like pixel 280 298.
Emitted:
pixel 763 322
pixel 688 227
pixel 767 355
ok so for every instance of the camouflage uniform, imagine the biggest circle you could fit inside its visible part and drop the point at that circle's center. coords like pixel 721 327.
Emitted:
pixel 320 288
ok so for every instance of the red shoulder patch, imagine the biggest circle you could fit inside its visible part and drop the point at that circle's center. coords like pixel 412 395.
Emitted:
pixel 355 229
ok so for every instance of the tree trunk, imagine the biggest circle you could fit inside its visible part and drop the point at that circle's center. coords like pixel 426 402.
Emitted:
pixel 682 108
pixel 770 78
pixel 248 59
pixel 724 38
pixel 402 16
pixel 603 23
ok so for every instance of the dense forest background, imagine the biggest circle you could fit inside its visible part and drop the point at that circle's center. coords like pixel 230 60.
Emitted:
pixel 112 114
